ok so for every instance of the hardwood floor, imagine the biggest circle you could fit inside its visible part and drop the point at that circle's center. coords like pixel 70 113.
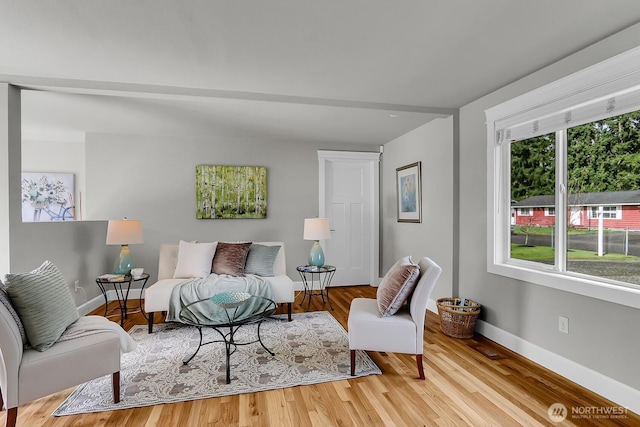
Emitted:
pixel 468 382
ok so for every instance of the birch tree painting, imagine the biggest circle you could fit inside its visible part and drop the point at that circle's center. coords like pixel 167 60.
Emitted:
pixel 231 192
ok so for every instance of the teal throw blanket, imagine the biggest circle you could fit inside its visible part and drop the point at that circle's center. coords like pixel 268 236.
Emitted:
pixel 209 313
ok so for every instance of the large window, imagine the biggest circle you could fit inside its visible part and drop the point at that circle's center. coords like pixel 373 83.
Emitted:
pixel 602 166
pixel 564 204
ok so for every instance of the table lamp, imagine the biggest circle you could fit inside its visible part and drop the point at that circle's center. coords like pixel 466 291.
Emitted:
pixel 124 232
pixel 316 229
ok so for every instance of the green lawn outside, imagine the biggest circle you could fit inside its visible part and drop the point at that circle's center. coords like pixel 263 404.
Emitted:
pixel 546 231
pixel 546 253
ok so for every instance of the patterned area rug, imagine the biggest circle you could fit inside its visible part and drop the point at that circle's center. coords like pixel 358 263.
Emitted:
pixel 312 348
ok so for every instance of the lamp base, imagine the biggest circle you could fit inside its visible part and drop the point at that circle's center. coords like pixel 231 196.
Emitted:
pixel 316 257
pixel 124 261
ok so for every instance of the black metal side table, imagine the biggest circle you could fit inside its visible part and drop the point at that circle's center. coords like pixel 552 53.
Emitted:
pixel 311 274
pixel 122 292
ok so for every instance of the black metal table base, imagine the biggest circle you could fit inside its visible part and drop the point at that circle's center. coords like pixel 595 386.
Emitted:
pixel 308 294
pixel 122 295
pixel 122 298
pixel 321 275
pixel 230 344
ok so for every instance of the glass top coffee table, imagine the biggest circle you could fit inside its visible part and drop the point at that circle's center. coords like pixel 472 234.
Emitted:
pixel 231 310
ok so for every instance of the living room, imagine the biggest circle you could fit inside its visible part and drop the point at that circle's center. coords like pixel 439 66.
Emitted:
pixel 149 175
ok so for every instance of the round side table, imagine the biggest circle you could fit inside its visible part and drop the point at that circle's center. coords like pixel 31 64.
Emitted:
pixel 310 275
pixel 122 291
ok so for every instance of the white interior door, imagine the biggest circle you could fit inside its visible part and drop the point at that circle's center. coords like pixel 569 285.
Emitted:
pixel 349 198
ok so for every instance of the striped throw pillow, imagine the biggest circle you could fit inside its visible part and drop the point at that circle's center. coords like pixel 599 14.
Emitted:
pixel 44 302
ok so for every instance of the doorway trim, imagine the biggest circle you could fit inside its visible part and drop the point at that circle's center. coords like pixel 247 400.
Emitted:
pixel 373 159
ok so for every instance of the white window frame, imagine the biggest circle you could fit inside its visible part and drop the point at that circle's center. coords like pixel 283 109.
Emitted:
pixel 525 211
pixel 542 109
pixel 547 212
pixel 618 211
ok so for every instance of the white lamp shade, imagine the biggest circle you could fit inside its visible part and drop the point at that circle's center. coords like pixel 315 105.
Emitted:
pixel 316 229
pixel 124 232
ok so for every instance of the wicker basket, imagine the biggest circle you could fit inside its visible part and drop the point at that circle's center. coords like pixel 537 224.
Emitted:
pixel 458 316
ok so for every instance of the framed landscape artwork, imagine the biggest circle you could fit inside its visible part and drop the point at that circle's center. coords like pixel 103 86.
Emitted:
pixel 231 192
pixel 409 188
pixel 47 197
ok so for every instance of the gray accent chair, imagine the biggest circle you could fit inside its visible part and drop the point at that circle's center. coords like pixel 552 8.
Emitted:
pixel 402 332
pixel 26 375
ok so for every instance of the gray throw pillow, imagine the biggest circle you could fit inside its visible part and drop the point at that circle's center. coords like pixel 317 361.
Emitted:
pixel 261 259
pixel 44 302
pixel 6 301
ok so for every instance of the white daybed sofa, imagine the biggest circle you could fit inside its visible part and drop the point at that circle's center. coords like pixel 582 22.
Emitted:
pixel 157 296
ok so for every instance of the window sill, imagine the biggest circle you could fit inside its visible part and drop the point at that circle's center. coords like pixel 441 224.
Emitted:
pixel 609 292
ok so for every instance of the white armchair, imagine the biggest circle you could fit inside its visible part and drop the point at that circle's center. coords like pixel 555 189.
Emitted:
pixel 26 375
pixel 402 332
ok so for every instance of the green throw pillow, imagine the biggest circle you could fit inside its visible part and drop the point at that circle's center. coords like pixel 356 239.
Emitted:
pixel 44 303
pixel 261 259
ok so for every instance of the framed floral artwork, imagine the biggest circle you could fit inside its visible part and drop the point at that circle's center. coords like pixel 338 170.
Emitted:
pixel 47 197
pixel 409 188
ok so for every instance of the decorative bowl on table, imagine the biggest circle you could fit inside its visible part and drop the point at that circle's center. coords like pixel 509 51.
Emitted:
pixel 231 299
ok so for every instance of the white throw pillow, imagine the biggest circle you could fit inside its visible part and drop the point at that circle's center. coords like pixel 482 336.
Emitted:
pixel 194 259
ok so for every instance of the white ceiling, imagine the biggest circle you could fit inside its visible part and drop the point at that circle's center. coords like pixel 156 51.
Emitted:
pixel 332 70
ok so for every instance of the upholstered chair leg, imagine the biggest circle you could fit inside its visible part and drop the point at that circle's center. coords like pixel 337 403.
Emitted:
pixel 353 362
pixel 115 382
pixel 150 316
pixel 420 369
pixel 12 417
pixel 289 310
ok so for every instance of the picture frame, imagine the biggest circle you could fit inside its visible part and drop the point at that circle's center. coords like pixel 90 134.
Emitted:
pixel 48 196
pixel 231 192
pixel 409 192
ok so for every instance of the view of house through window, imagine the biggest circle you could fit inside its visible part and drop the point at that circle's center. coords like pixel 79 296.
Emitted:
pixel 533 177
pixel 602 201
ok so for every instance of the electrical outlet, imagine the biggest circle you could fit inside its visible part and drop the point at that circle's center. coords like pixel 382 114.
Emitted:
pixel 76 285
pixel 563 324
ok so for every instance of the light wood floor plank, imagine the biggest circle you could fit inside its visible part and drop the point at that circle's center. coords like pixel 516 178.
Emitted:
pixel 463 386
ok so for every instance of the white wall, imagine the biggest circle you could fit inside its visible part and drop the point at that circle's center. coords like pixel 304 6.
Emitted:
pixel 10 118
pixel 604 338
pixel 75 247
pixel 153 179
pixel 159 189
pixel 431 144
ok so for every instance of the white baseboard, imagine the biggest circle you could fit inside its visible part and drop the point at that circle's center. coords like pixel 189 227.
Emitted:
pixel 606 387
pixel 92 304
pixel 298 286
